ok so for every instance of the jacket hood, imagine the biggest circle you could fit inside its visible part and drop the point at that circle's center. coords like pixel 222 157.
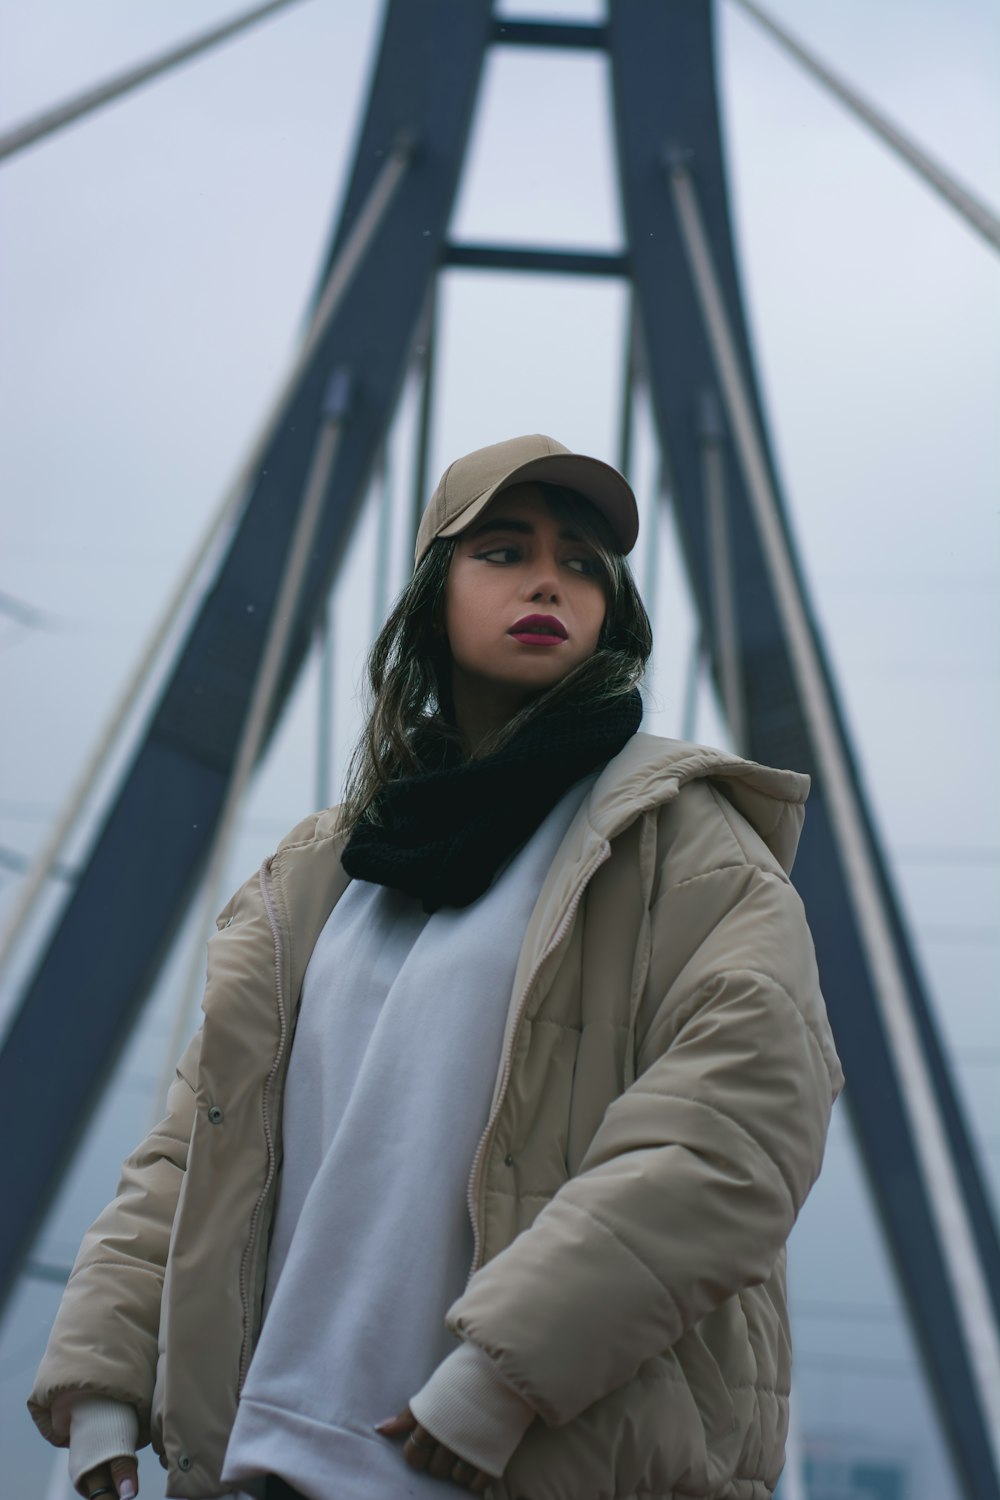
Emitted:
pixel 651 769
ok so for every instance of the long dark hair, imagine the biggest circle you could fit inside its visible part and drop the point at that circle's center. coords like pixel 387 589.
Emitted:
pixel 409 666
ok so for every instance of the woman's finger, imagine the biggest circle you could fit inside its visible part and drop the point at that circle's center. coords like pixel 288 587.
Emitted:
pixel 125 1474
pixel 420 1447
pixel 98 1479
pixel 442 1461
pixel 404 1421
pixel 118 1480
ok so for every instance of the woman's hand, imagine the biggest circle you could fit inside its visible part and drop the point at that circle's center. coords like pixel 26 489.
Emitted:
pixel 423 1451
pixel 118 1478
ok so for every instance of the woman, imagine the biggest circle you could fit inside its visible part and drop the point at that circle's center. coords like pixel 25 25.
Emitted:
pixel 572 1287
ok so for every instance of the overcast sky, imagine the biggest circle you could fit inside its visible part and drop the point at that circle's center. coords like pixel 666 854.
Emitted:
pixel 157 263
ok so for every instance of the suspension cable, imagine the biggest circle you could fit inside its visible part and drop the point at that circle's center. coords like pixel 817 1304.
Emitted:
pixel 380 196
pixel 92 99
pixel 973 210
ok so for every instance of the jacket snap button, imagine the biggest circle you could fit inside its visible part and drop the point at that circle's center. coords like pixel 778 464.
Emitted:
pixel 508 1160
pixel 215 1114
pixel 184 1461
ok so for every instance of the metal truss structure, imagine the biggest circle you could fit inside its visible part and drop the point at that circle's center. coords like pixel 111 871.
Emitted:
pixel 294 516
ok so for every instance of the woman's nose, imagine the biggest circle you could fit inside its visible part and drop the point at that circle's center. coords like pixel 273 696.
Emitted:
pixel 546 579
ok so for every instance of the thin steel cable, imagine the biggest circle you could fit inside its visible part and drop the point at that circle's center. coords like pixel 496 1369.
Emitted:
pixel 365 227
pixel 626 422
pixel 81 789
pixel 376 205
pixel 282 619
pixel 424 421
pixel 651 575
pixel 13 859
pixel 626 442
pixel 964 1266
pixel 61 115
pixel 976 213
pixel 383 540
pixel 711 440
pixel 24 614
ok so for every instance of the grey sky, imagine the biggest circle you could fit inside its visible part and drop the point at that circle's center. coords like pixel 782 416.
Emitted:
pixel 157 263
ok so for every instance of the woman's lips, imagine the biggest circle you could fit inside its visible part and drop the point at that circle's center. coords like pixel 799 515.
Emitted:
pixel 537 638
pixel 538 630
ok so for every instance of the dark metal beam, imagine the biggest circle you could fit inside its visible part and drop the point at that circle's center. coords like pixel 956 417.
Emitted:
pixel 900 1093
pixel 577 36
pixel 524 258
pixel 80 1004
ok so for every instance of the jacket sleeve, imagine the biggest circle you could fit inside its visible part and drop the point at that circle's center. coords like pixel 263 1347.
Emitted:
pixel 693 1180
pixel 104 1338
pixel 100 1430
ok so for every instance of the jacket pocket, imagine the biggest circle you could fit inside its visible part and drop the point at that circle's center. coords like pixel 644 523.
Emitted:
pixel 647 1436
pixel 721 1430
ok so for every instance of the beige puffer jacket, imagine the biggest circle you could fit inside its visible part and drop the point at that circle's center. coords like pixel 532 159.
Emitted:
pixel 660 1113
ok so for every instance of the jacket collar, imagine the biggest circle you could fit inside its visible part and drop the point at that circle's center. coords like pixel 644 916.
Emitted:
pixel 647 773
pixel 651 770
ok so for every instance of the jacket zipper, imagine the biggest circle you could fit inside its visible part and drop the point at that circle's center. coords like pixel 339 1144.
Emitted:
pixel 246 1261
pixel 477 1161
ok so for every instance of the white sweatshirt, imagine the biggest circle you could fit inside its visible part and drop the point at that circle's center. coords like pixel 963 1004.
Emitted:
pixel 390 1078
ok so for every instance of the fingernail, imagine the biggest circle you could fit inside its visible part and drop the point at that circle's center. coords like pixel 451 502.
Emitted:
pixel 126 1490
pixel 385 1422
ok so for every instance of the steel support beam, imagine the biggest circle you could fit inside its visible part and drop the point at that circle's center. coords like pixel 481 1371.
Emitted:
pixel 82 1000
pixel 909 1125
pixel 575 36
pixel 527 258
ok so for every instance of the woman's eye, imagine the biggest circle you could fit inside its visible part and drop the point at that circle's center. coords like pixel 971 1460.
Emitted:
pixel 588 566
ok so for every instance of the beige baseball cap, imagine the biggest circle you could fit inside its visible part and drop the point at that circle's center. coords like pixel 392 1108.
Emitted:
pixel 468 485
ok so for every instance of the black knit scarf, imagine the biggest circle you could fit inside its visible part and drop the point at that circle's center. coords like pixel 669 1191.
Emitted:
pixel 445 831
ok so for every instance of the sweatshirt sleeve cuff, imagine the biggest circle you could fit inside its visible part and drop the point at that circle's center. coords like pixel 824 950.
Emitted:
pixel 100 1429
pixel 467 1406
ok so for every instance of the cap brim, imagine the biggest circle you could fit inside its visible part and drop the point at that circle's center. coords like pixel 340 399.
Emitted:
pixel 596 481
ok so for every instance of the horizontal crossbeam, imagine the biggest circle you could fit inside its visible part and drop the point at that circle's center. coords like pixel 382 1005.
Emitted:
pixel 578 35
pixel 525 258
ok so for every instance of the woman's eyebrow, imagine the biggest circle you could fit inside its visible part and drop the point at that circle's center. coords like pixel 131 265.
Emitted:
pixel 505 523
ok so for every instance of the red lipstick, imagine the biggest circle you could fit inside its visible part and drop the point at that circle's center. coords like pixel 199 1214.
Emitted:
pixel 538 630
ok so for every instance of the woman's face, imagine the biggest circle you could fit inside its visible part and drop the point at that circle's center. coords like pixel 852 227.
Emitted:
pixel 517 559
